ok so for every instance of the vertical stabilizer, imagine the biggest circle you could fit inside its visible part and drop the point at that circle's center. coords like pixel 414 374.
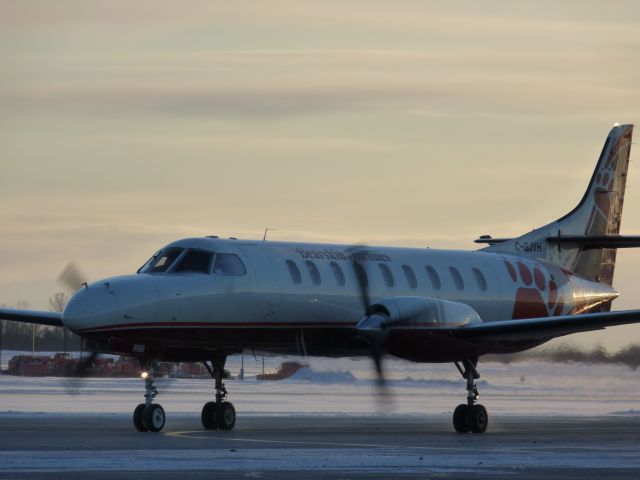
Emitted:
pixel 599 213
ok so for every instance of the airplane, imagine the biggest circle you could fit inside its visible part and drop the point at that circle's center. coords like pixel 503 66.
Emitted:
pixel 203 299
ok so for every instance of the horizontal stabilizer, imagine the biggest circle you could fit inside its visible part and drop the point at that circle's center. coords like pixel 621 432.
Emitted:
pixel 53 319
pixel 597 241
pixel 489 240
pixel 586 242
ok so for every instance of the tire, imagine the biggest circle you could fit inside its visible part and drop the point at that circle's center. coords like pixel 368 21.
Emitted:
pixel 208 416
pixel 137 418
pixel 154 417
pixel 226 416
pixel 460 415
pixel 478 419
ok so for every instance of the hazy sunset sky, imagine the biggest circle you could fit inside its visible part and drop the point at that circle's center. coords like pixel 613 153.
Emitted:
pixel 125 125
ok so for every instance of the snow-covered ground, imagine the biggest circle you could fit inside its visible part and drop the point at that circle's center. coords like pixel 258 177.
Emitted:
pixel 345 386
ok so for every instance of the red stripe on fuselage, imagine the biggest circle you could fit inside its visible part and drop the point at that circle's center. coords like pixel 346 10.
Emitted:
pixel 123 326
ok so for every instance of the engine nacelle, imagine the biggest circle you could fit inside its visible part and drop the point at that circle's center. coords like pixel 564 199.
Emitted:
pixel 424 312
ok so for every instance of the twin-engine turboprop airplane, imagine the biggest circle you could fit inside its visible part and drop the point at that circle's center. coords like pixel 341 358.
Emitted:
pixel 203 299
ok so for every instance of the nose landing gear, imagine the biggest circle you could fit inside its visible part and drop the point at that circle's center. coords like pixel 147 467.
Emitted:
pixel 219 414
pixel 471 417
pixel 149 416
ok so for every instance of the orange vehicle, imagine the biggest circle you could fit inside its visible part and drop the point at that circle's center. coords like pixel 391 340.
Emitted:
pixel 285 371
pixel 29 365
pixel 62 364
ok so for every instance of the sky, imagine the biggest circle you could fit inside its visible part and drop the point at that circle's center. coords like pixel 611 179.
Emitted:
pixel 126 125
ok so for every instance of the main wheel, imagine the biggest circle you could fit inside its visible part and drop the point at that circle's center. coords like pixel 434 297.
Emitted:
pixel 208 416
pixel 478 419
pixel 153 417
pixel 137 418
pixel 225 416
pixel 460 418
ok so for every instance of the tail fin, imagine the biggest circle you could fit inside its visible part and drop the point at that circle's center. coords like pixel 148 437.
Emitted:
pixel 599 213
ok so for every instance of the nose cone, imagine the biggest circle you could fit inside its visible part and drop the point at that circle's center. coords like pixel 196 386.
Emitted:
pixel 116 301
pixel 91 307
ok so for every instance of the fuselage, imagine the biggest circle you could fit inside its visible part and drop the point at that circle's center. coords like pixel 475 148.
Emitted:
pixel 214 294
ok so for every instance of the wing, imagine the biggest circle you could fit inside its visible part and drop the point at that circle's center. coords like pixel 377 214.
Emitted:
pixel 53 319
pixel 542 329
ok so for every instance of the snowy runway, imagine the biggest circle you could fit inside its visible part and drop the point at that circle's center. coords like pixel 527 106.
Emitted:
pixel 391 446
pixel 546 421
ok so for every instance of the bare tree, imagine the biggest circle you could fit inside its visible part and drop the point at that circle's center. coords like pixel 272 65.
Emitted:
pixel 23 304
pixel 57 304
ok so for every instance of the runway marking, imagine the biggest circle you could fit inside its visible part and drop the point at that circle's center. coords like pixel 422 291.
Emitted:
pixel 198 435
pixel 462 448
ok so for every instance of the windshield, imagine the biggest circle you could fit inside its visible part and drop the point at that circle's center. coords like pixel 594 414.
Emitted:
pixel 161 261
pixel 198 261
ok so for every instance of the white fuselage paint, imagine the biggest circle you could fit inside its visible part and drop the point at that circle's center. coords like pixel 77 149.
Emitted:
pixel 496 286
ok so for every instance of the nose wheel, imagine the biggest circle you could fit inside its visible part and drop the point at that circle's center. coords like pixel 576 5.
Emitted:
pixel 218 414
pixel 149 416
pixel 470 417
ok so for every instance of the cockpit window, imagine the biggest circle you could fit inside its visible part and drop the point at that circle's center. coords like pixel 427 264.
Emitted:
pixel 161 261
pixel 198 261
pixel 228 264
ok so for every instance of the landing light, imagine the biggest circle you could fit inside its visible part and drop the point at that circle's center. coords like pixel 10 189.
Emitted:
pixel 144 375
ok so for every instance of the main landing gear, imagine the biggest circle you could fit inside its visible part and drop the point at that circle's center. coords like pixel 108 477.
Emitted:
pixel 149 416
pixel 471 417
pixel 219 414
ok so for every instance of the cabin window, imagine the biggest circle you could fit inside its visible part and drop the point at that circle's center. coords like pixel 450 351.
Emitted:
pixel 480 280
pixel 338 273
pixel 313 272
pixel 228 264
pixel 161 261
pixel 457 278
pixel 361 274
pixel 410 276
pixel 387 275
pixel 294 271
pixel 195 261
pixel 434 277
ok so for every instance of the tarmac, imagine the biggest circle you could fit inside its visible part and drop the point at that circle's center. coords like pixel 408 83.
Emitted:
pixel 101 446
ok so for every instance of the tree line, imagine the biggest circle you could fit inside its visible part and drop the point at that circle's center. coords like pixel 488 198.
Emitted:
pixel 42 338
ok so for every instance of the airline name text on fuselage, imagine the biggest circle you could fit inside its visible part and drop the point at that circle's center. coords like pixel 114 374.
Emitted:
pixel 359 256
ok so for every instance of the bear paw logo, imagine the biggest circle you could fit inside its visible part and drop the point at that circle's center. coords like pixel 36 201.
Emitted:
pixel 532 288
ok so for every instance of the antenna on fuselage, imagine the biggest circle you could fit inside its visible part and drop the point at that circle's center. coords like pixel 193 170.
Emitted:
pixel 266 230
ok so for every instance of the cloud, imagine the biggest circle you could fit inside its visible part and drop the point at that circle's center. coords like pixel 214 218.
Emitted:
pixel 290 59
pixel 458 19
pixel 498 95
pixel 254 83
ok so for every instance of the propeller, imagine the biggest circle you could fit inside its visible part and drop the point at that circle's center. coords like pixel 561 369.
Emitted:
pixel 78 373
pixel 72 277
pixel 372 329
pixel 83 368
